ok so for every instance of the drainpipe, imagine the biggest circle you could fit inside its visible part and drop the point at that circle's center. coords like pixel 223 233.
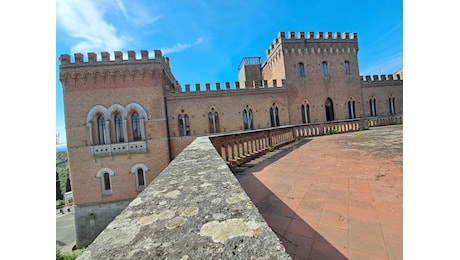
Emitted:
pixel 167 128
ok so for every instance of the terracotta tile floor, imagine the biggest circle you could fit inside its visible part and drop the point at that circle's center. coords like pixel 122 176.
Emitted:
pixel 333 197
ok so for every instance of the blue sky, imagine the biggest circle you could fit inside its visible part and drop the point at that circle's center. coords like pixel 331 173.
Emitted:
pixel 206 43
pixel 205 40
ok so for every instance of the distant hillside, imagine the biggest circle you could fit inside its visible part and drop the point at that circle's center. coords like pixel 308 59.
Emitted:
pixel 61 148
pixel 62 168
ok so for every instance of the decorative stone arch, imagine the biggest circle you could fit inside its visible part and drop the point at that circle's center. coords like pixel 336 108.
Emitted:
pixel 141 181
pixel 118 131
pixel 117 108
pixel 137 166
pixel 106 180
pixel 98 109
pixel 130 109
pixel 135 106
pixel 95 110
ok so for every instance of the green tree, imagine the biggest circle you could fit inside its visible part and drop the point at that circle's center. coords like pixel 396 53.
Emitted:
pixel 62 169
pixel 67 186
pixel 58 188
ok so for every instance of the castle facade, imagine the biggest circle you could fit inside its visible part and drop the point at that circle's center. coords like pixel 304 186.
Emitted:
pixel 126 119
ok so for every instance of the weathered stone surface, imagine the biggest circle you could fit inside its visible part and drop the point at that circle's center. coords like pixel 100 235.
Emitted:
pixel 195 209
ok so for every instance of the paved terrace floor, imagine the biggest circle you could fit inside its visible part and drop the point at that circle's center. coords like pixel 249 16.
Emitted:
pixel 335 196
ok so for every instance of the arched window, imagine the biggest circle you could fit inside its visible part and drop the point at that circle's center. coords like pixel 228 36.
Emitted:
pixel 213 118
pixel 247 119
pixel 136 127
pixel 184 125
pixel 347 67
pixel 106 183
pixel 351 109
pixel 139 171
pixel 105 174
pixel 305 113
pixel 324 67
pixel 101 129
pixel 392 106
pixel 140 178
pixel 300 70
pixel 274 116
pixel 119 128
pixel 329 110
pixel 372 107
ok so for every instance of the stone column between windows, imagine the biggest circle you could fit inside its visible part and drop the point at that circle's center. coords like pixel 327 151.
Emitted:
pixel 372 107
pixel 90 130
pixel 393 106
pixel 142 126
pixel 352 110
pixel 305 113
pixel 107 132
pixel 125 131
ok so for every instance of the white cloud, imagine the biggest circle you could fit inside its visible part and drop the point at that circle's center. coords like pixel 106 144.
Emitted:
pixel 84 20
pixel 181 46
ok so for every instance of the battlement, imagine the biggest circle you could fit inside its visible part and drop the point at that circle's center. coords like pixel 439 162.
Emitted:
pixel 310 37
pixel 104 58
pixel 380 78
pixel 237 86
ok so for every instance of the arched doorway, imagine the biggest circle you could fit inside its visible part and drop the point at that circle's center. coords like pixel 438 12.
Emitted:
pixel 329 110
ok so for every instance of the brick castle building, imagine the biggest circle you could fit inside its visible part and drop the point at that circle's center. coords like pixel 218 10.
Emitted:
pixel 126 119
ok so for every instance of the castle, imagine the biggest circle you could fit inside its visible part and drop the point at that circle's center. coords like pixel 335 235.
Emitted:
pixel 126 119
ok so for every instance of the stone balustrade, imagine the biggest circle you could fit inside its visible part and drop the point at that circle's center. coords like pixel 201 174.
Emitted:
pixel 240 147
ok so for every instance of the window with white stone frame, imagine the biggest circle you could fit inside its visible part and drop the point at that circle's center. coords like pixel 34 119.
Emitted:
pixel 305 109
pixel 117 129
pixel 139 171
pixel 372 106
pixel 351 109
pixel 213 121
pixel 105 176
pixel 248 122
pixel 184 124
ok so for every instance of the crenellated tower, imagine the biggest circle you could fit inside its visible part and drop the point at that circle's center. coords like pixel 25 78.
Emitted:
pixel 127 116
pixel 116 127
pixel 321 72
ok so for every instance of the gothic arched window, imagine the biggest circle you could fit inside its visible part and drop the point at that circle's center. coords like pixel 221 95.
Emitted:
pixel 119 129
pixel 305 113
pixel 213 118
pixel 101 129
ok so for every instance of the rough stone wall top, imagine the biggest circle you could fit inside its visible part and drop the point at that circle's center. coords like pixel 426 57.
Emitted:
pixel 195 209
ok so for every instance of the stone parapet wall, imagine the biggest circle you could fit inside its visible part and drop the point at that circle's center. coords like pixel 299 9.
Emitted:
pixel 195 209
